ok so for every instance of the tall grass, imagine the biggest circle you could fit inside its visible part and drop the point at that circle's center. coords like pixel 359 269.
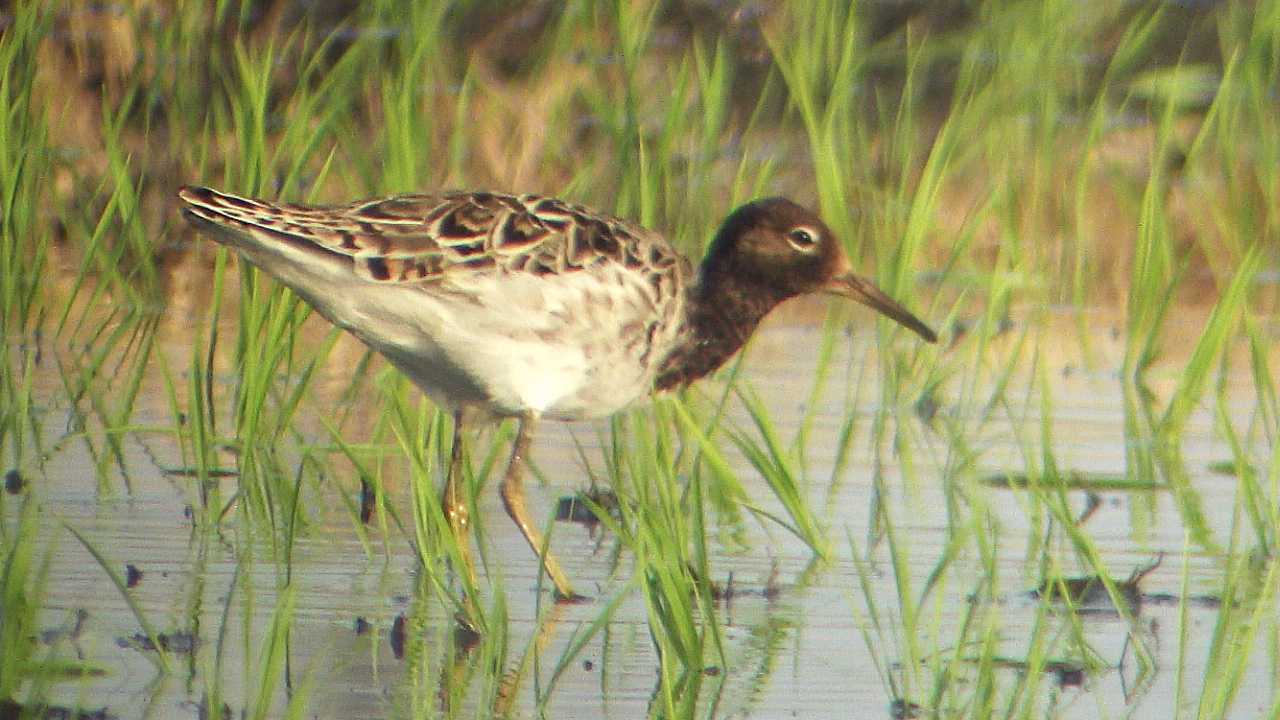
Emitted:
pixel 24 238
pixel 989 164
pixel 22 580
pixel 25 163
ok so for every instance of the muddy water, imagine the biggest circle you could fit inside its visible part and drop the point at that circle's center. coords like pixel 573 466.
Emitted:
pixel 799 637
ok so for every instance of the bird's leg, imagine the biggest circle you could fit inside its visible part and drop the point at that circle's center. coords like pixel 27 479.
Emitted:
pixel 455 503
pixel 513 500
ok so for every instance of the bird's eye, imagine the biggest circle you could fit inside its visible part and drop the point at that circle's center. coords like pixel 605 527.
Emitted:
pixel 803 239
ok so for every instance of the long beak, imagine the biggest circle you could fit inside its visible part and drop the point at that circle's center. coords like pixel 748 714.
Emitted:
pixel 856 287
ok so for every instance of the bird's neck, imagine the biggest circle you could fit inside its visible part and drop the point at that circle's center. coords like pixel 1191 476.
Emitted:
pixel 721 311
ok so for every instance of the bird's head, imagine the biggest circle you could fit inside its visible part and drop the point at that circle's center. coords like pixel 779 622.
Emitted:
pixel 781 250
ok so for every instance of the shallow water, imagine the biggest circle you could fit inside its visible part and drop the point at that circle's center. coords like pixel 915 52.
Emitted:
pixel 800 638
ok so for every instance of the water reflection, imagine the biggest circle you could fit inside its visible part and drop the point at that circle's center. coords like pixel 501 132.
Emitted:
pixel 961 540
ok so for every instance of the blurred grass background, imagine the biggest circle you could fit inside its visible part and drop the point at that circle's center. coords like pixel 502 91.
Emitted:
pixel 1059 144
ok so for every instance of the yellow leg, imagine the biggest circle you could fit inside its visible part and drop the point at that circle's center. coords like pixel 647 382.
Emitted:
pixel 513 500
pixel 455 503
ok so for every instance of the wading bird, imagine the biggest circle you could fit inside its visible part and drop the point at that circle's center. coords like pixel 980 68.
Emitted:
pixel 527 307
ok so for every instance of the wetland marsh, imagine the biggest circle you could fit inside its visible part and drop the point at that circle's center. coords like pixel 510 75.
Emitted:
pixel 218 505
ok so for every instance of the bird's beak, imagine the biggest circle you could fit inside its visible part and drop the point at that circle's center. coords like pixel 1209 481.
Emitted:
pixel 856 287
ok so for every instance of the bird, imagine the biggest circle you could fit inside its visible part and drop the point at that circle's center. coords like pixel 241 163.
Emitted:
pixel 530 307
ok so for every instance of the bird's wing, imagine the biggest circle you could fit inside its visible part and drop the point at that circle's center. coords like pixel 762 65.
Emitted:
pixel 423 238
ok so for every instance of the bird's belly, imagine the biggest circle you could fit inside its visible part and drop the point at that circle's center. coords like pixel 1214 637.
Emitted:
pixel 459 359
pixel 508 377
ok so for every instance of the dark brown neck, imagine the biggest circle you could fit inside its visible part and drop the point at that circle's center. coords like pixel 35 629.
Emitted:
pixel 723 310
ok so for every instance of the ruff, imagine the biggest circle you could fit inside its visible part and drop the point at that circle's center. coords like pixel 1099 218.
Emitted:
pixel 530 307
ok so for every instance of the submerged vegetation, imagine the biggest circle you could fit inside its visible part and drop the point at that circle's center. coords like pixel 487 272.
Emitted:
pixel 1070 190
